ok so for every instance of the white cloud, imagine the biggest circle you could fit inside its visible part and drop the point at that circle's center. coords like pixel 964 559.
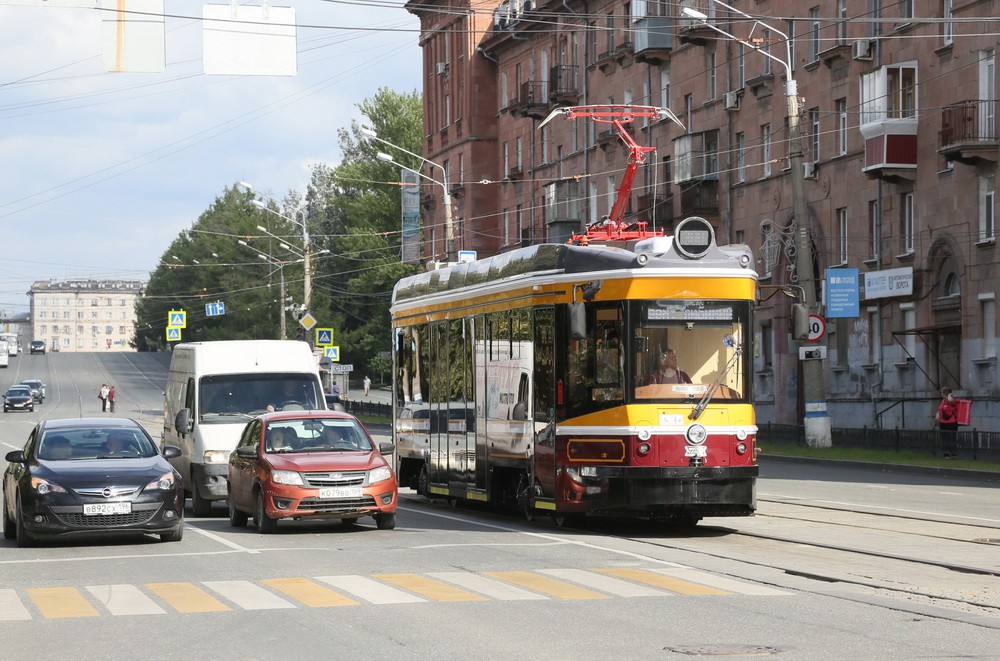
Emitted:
pixel 103 170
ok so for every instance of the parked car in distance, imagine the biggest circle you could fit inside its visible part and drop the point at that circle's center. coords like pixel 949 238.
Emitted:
pixel 18 398
pixel 91 476
pixel 37 389
pixel 37 346
pixel 310 465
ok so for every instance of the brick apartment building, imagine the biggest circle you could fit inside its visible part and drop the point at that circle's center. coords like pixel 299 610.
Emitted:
pixel 85 315
pixel 899 134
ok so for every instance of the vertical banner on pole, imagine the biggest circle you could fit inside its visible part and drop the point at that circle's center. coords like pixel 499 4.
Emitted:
pixel 410 248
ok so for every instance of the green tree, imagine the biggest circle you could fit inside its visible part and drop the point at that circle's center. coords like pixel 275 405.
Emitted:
pixel 358 211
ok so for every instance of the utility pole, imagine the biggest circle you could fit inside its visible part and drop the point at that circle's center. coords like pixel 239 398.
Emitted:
pixel 816 419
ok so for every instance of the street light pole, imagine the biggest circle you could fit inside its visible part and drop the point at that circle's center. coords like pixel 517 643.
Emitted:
pixel 450 239
pixel 816 419
pixel 449 227
pixel 282 328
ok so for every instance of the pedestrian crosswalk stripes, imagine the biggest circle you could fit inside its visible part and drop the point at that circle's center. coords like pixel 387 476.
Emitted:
pixel 356 590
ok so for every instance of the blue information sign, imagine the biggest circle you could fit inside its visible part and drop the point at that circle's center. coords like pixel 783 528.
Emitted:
pixel 215 309
pixel 842 293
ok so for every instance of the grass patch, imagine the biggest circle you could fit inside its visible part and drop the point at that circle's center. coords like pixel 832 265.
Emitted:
pixel 874 456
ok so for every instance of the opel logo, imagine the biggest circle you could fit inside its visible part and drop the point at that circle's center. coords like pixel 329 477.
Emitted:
pixel 107 493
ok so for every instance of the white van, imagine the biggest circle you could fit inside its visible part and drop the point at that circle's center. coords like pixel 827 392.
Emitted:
pixel 214 388
pixel 4 357
pixel 12 343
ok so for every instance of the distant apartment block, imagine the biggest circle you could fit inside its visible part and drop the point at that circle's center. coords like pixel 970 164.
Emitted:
pixel 85 315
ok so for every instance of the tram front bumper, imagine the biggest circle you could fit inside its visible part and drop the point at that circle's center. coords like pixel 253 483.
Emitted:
pixel 646 491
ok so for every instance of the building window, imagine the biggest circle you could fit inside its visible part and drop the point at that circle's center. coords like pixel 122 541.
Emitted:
pixel 842 241
pixel 503 91
pixel 741 158
pixel 664 88
pixel 741 66
pixel 889 93
pixel 947 34
pixel 766 49
pixel 611 193
pixel 766 345
pixel 909 323
pixel 814 34
pixel 767 242
pixel 988 307
pixel 814 135
pixel 906 9
pixel 688 111
pixel 906 211
pixel 874 337
pixel 611 32
pixel 987 208
pixel 765 148
pixel 841 106
pixel 713 79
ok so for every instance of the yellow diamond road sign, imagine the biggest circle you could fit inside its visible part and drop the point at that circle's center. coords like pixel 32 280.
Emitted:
pixel 307 321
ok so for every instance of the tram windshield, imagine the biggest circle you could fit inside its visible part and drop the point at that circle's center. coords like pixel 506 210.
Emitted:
pixel 683 349
pixel 667 350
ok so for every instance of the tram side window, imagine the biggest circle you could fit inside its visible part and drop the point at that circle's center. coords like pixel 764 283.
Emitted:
pixel 408 372
pixel 544 367
pixel 595 362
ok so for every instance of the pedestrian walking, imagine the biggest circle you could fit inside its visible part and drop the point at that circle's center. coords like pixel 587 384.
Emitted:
pixel 111 398
pixel 947 419
pixel 102 394
pixel 367 384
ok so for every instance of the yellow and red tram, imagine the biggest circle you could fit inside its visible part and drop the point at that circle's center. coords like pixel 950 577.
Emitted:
pixel 527 379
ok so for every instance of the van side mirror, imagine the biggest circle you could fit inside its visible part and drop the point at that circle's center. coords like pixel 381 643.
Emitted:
pixel 386 448
pixel 182 422
pixel 577 321
pixel 800 321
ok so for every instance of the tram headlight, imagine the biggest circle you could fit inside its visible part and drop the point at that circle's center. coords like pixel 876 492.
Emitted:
pixel 696 434
pixel 644 448
pixel 741 448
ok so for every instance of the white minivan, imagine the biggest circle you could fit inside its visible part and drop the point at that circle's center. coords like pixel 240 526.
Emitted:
pixel 214 388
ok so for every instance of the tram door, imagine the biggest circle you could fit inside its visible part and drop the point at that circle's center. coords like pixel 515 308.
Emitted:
pixel 437 399
pixel 544 395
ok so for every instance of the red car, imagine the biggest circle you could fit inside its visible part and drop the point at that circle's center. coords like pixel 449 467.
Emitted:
pixel 310 465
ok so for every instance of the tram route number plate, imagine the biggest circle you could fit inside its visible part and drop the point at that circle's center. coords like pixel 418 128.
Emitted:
pixel 99 509
pixel 340 492
pixel 699 451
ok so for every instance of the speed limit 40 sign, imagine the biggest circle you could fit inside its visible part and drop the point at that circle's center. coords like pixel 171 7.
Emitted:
pixel 817 328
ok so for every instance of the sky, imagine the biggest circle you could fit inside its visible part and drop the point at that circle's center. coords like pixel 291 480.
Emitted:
pixel 99 171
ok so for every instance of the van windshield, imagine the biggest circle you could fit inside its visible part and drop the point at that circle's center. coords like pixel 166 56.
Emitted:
pixel 223 397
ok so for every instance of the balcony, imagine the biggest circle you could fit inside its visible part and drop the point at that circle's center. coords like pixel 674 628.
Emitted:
pixel 563 209
pixel 531 101
pixel 657 210
pixel 606 61
pixel 700 199
pixel 515 173
pixel 564 85
pixel 654 39
pixel 968 132
pixel 890 148
pixel 429 202
pixel 606 138
pixel 693 31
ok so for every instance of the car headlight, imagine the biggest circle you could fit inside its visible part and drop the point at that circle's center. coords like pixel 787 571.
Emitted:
pixel 163 483
pixel 216 457
pixel 379 474
pixel 286 477
pixel 44 486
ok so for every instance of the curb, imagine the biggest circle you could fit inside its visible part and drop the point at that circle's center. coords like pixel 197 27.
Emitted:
pixel 905 469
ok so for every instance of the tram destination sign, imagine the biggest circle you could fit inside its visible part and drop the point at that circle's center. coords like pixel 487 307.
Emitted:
pixel 690 311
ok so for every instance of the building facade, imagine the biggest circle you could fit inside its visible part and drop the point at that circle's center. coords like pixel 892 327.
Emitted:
pixel 85 315
pixel 898 125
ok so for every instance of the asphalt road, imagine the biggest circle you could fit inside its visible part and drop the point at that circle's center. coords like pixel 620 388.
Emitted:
pixel 468 583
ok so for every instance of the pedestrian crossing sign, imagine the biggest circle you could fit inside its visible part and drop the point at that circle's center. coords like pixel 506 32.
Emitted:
pixel 173 334
pixel 324 337
pixel 333 353
pixel 177 319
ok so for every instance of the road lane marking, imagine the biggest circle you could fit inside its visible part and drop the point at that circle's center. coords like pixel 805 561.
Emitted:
pixel 187 598
pixel 721 582
pixel 545 585
pixel 428 587
pixel 248 596
pixel 660 581
pixel 124 600
pixel 487 586
pixel 308 592
pixel 220 539
pixel 604 583
pixel 55 603
pixel 11 607
pixel 370 590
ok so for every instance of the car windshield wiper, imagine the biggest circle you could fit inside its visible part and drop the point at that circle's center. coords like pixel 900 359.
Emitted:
pixel 703 403
pixel 228 414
